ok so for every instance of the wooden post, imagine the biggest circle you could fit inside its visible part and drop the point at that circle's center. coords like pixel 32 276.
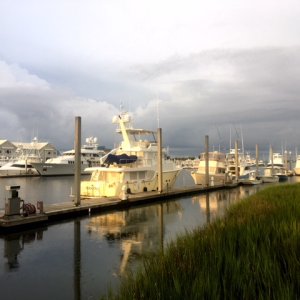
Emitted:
pixel 237 173
pixel 77 160
pixel 159 162
pixel 206 161
pixel 256 158
pixel 272 160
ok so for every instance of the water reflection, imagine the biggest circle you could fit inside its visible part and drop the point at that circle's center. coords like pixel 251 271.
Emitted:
pixel 77 259
pixel 149 228
pixel 15 243
pixel 82 257
pixel 137 230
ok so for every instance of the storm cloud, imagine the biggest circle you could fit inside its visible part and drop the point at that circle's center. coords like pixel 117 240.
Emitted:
pixel 191 68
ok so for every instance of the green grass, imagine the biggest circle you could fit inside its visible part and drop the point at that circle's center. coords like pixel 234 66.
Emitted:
pixel 251 253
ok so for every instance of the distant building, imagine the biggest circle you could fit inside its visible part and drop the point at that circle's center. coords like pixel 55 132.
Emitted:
pixel 7 151
pixel 44 150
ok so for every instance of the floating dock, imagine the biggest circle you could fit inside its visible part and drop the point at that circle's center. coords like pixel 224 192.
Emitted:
pixel 65 210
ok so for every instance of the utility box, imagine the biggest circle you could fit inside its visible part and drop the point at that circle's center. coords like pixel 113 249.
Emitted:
pixel 12 200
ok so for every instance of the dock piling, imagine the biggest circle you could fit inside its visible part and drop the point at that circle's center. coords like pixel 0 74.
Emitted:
pixel 272 159
pixel 159 157
pixel 77 160
pixel 206 161
pixel 256 158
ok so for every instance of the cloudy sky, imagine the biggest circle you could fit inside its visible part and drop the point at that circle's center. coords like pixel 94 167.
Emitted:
pixel 192 67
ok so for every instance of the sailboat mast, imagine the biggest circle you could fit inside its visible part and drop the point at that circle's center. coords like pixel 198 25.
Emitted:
pixel 229 138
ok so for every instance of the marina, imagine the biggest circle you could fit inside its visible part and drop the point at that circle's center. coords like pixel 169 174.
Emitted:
pixel 138 171
pixel 88 241
pixel 180 177
pixel 133 200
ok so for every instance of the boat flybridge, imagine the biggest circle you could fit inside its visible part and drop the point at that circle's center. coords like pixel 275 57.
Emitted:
pixel 131 167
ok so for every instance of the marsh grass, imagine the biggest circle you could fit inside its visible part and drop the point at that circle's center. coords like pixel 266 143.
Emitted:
pixel 251 253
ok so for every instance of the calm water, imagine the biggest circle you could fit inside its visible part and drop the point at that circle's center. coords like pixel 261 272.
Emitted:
pixel 79 259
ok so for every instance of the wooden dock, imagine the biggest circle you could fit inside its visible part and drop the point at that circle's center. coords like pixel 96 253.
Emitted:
pixel 65 210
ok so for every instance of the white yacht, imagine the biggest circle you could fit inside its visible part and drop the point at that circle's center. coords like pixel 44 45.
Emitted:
pixel 131 167
pixel 251 178
pixel 20 167
pixel 297 166
pixel 269 175
pixel 276 167
pixel 21 163
pixel 65 163
pixel 243 167
pixel 217 169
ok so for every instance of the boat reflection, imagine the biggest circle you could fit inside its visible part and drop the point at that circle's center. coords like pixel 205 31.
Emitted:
pixel 144 229
pixel 215 204
pixel 138 230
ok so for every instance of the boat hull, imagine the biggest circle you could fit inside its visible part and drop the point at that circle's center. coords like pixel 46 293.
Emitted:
pixel 50 169
pixel 18 168
pixel 18 172
pixel 214 180
pixel 96 189
pixel 297 171
pixel 282 177
pixel 270 179
pixel 251 181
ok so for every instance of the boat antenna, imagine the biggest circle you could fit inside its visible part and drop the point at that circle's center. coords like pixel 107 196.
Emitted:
pixel 243 150
pixel 121 107
pixel 230 138
pixel 220 138
pixel 236 133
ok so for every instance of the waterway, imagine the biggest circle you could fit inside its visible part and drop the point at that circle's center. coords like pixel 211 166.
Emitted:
pixel 80 258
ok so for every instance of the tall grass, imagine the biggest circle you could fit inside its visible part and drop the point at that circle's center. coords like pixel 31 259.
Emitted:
pixel 251 253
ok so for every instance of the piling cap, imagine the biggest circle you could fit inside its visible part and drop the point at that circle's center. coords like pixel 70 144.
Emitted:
pixel 12 187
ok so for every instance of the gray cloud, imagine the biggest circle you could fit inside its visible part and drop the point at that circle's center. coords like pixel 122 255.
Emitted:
pixel 204 93
pixel 254 89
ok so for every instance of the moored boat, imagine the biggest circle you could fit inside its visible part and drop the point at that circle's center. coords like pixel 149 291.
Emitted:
pixel 276 167
pixel 20 167
pixel 21 163
pixel 217 170
pixel 242 167
pixel 131 167
pixel 251 178
pixel 65 164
